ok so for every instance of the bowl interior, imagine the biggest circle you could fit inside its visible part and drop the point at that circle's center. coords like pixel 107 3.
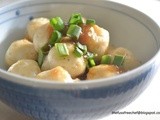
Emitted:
pixel 127 27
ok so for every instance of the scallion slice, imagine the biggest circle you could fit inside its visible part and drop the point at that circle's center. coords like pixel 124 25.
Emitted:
pixel 76 19
pixel 40 57
pixel 57 23
pixel 55 38
pixel 62 49
pixel 118 60
pixel 90 55
pixel 90 21
pixel 82 47
pixel 78 52
pixel 74 31
pixel 106 59
pixel 91 62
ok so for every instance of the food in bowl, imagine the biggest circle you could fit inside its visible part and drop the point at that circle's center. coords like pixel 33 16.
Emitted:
pixel 77 50
pixel 89 99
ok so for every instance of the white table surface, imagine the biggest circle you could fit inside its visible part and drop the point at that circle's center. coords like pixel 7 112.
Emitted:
pixel 148 101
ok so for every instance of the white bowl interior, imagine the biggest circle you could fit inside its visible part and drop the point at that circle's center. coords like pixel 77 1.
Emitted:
pixel 128 28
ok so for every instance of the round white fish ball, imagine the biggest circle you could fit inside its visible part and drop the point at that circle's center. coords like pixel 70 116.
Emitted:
pixel 102 71
pixel 42 36
pixel 34 24
pixel 96 39
pixel 73 64
pixel 25 67
pixel 130 61
pixel 20 49
pixel 56 74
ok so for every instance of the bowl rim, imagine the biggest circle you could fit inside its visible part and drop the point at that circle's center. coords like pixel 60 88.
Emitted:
pixel 32 82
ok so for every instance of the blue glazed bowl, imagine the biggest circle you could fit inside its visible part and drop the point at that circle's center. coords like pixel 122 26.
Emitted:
pixel 85 100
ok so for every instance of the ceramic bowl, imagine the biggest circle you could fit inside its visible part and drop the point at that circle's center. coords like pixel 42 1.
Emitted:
pixel 85 100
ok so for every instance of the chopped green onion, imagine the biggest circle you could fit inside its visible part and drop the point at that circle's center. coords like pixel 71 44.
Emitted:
pixel 82 47
pixel 56 37
pixel 90 55
pixel 76 19
pixel 106 59
pixel 62 49
pixel 74 31
pixel 78 52
pixel 40 57
pixel 118 60
pixel 91 22
pixel 57 23
pixel 91 62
